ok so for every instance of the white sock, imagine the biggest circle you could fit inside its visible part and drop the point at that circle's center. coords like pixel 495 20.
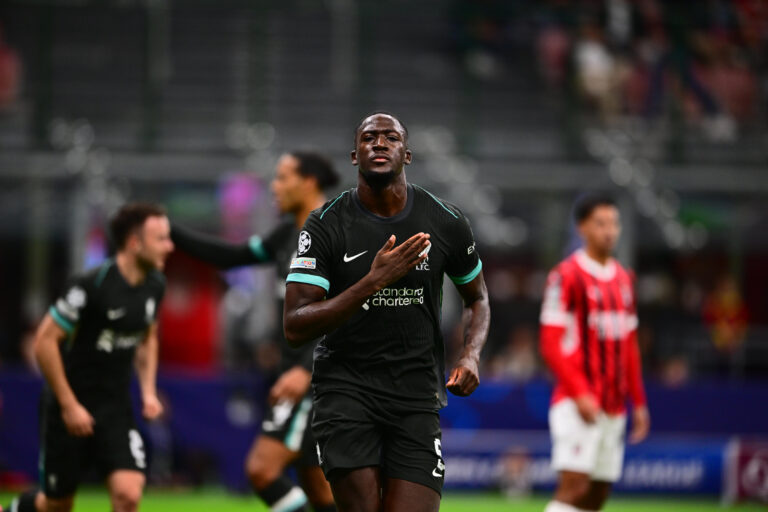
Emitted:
pixel 559 506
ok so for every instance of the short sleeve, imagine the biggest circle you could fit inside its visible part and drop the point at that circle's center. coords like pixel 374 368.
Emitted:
pixel 313 254
pixel 67 309
pixel 558 304
pixel 463 261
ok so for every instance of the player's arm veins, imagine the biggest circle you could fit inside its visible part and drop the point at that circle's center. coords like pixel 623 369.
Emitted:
pixel 476 316
pixel 307 316
pixel 46 348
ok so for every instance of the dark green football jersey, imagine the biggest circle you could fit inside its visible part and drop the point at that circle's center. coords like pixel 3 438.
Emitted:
pixel 105 318
pixel 392 347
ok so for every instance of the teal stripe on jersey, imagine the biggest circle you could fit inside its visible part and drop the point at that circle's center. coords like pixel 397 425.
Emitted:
pixel 309 279
pixel 438 201
pixel 103 272
pixel 333 203
pixel 467 278
pixel 257 248
pixel 63 322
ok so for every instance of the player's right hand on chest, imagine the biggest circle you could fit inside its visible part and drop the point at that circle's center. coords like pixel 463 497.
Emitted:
pixel 78 420
pixel 392 263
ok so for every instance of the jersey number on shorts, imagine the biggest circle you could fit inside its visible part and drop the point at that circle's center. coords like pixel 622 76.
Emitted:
pixel 137 448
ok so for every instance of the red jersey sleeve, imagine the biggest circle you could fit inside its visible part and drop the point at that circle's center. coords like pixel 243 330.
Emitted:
pixel 633 364
pixel 559 336
pixel 635 372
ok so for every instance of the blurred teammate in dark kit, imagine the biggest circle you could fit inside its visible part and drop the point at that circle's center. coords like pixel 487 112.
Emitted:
pixel 86 345
pixel 368 277
pixel 299 187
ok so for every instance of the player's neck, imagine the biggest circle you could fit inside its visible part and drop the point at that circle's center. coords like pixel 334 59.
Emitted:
pixel 129 268
pixel 300 217
pixel 386 201
pixel 597 256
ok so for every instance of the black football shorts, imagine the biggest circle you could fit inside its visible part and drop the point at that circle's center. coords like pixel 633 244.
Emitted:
pixel 289 423
pixel 65 459
pixel 354 430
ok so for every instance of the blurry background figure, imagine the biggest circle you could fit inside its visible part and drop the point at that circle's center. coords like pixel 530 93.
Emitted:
pixel 189 320
pixel 517 360
pixel 10 73
pixel 515 481
pixel 727 318
pixel 601 74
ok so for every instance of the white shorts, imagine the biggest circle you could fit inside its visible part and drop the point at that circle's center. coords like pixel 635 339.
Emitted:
pixel 597 449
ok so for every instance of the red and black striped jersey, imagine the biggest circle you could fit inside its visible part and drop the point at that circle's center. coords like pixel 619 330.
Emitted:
pixel 589 332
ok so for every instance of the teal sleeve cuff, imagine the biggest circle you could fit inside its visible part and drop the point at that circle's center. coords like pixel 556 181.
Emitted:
pixel 469 277
pixel 257 248
pixel 61 321
pixel 309 279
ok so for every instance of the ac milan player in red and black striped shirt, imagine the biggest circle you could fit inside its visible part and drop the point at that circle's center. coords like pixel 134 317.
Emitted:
pixel 589 342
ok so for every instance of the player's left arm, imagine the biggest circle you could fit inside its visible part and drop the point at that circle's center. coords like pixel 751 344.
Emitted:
pixel 146 369
pixel 464 268
pixel 641 418
pixel 476 319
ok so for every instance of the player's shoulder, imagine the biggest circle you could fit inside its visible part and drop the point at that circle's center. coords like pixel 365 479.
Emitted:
pixel 437 205
pixel 624 273
pixel 567 269
pixel 94 277
pixel 333 209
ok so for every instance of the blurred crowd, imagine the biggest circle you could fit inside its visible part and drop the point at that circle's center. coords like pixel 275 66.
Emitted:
pixel 699 60
pixel 647 57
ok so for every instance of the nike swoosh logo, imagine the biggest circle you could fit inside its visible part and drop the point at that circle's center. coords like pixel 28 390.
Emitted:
pixel 114 314
pixel 436 474
pixel 347 259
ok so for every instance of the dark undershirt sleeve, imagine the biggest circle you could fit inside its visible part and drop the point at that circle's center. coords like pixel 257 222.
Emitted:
pixel 215 251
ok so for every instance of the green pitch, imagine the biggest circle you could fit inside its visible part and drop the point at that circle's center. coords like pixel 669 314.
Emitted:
pixel 95 500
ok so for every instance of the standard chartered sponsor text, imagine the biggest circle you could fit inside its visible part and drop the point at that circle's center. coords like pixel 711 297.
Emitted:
pixel 393 297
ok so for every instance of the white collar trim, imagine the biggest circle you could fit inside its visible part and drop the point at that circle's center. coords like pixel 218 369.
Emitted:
pixel 603 272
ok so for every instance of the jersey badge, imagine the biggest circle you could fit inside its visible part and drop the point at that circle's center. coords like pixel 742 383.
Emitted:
pixel 305 242
pixel 115 314
pixel 309 263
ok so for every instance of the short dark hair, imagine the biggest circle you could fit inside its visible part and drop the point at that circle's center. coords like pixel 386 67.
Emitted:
pixel 317 166
pixel 382 112
pixel 587 203
pixel 129 218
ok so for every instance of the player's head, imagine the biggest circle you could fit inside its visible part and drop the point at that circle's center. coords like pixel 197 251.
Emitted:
pixel 301 176
pixel 142 231
pixel 597 218
pixel 381 149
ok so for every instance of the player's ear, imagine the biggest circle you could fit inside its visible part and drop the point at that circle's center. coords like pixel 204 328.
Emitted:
pixel 408 157
pixel 353 156
pixel 311 183
pixel 134 241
